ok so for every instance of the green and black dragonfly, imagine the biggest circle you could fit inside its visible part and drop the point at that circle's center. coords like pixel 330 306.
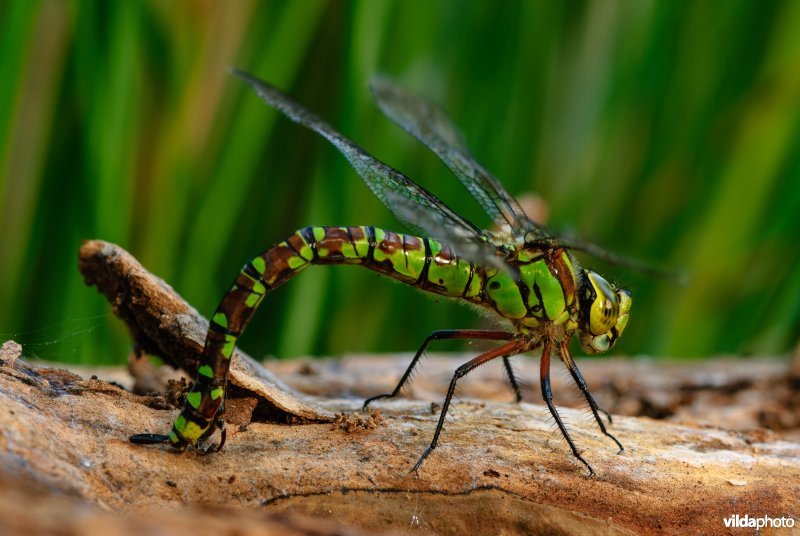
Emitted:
pixel 519 271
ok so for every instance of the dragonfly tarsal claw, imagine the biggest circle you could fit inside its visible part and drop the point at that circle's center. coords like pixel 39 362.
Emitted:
pixel 417 465
pixel 615 440
pixel 372 399
pixel 591 471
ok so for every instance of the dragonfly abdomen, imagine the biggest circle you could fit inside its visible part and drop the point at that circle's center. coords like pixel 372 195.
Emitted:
pixel 418 261
pixel 422 262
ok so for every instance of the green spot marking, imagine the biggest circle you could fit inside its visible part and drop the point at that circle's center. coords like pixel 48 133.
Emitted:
pixel 220 319
pixel 306 252
pixel 380 234
pixel 173 437
pixel 216 393
pixel 259 288
pixel 180 423
pixel 319 234
pixel 296 262
pixel 194 399
pixel 255 285
pixel 259 264
pixel 379 255
pixel 206 370
pixel 252 300
pixel 227 348
pixel 193 431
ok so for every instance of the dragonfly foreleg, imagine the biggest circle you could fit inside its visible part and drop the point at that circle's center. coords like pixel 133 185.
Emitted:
pixel 449 334
pixel 578 377
pixel 508 349
pixel 547 394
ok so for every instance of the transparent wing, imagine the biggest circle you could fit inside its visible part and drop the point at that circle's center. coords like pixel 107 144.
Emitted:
pixel 481 252
pixel 426 122
pixel 675 276
pixel 419 210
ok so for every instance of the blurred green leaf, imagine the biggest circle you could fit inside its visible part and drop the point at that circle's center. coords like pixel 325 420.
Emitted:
pixel 667 131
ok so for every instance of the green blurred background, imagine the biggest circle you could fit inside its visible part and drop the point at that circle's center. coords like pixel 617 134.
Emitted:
pixel 666 131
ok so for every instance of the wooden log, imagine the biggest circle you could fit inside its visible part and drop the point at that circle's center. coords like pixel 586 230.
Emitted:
pixel 162 323
pixel 500 467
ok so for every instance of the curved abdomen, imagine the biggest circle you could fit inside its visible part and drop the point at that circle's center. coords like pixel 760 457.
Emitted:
pixel 422 262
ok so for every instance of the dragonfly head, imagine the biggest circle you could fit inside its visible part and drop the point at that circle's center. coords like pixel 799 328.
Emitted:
pixel 603 313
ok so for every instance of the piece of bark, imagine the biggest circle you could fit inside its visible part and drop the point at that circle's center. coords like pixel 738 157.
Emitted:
pixel 9 353
pixel 500 468
pixel 162 323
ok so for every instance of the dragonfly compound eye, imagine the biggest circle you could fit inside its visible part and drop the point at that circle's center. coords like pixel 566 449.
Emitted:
pixel 599 343
pixel 600 305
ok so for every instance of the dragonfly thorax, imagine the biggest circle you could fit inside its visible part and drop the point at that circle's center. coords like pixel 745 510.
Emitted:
pixel 545 292
pixel 540 290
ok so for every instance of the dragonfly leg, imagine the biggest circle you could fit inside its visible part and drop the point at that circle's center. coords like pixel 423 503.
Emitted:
pixel 512 379
pixel 508 349
pixel 578 377
pixel 544 376
pixel 449 334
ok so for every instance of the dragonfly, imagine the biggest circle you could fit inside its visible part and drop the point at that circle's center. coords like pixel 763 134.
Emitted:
pixel 519 271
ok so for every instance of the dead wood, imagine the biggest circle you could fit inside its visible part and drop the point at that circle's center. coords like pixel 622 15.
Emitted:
pixel 162 323
pixel 66 464
pixel 500 464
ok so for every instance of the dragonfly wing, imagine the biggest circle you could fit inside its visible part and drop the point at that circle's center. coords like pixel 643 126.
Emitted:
pixel 426 122
pixel 476 249
pixel 388 184
pixel 677 277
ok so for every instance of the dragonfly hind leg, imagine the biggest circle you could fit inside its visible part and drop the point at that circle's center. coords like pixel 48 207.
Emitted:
pixel 508 349
pixel 451 334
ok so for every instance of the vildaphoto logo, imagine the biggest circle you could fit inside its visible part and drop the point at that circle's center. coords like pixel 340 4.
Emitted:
pixel 746 521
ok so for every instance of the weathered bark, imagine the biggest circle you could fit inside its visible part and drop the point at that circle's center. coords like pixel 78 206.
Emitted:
pixel 163 324
pixel 500 468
